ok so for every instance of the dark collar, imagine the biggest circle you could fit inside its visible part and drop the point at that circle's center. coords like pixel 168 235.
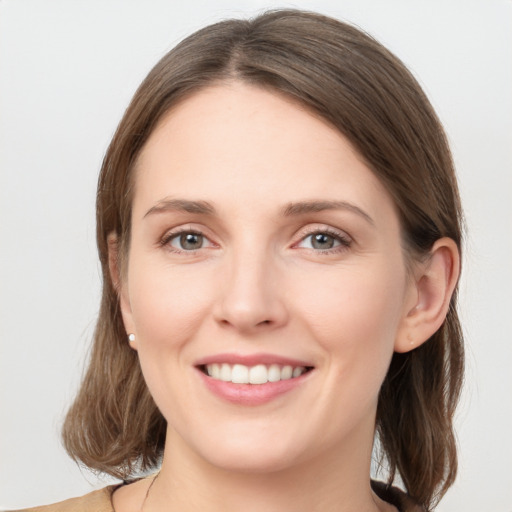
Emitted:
pixel 396 497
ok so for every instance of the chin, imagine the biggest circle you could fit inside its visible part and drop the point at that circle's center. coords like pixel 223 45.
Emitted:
pixel 252 463
pixel 252 457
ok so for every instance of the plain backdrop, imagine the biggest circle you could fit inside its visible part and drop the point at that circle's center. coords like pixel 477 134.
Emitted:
pixel 67 72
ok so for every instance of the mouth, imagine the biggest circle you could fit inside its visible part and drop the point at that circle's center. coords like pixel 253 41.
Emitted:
pixel 253 379
pixel 257 375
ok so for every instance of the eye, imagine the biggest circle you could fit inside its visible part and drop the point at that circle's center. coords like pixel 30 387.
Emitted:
pixel 324 241
pixel 186 241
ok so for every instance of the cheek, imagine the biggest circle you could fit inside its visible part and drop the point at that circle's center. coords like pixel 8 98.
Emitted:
pixel 355 315
pixel 354 318
pixel 168 304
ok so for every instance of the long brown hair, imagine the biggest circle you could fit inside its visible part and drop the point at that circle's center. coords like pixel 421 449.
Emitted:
pixel 349 79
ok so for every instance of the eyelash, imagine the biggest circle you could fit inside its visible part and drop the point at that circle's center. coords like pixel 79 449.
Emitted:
pixel 168 237
pixel 344 240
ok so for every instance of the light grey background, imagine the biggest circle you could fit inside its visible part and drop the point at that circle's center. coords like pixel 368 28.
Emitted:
pixel 68 70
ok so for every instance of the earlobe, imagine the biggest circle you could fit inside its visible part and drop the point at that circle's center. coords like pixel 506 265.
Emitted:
pixel 434 284
pixel 120 287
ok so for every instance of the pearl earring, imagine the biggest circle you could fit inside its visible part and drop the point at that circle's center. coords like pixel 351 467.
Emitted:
pixel 131 338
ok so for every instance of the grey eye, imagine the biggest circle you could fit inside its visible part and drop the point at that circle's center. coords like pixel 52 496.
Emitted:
pixel 188 241
pixel 323 241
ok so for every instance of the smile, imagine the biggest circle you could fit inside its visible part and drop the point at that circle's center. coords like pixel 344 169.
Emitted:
pixel 252 379
pixel 258 374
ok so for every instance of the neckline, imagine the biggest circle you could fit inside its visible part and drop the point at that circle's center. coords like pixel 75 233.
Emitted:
pixel 386 492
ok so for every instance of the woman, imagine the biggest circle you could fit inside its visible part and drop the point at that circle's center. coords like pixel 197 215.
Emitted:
pixel 279 230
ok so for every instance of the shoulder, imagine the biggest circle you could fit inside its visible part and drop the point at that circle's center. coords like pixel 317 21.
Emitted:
pixel 396 497
pixel 96 501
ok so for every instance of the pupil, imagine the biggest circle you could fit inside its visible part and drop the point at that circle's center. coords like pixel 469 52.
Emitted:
pixel 322 241
pixel 191 241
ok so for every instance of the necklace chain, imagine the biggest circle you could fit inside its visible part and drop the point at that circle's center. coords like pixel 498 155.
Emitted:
pixel 147 492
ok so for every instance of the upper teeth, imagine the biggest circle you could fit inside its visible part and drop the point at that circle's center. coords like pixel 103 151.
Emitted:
pixel 259 374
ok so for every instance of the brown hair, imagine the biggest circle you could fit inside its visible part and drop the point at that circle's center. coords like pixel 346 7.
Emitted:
pixel 349 79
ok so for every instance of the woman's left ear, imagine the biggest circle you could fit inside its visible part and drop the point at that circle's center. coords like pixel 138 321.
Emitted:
pixel 433 284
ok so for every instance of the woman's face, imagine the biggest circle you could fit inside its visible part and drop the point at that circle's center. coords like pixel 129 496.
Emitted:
pixel 265 253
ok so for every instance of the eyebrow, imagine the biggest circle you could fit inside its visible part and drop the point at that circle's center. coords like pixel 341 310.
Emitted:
pixel 182 205
pixel 290 210
pixel 305 207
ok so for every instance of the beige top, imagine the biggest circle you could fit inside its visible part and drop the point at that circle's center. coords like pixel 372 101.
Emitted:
pixel 101 501
pixel 96 501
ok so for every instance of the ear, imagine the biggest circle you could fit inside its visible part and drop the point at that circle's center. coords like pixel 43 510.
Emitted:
pixel 120 286
pixel 433 284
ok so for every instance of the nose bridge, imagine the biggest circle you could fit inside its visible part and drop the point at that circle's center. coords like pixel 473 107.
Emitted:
pixel 250 297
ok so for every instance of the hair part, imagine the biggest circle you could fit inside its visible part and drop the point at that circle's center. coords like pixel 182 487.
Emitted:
pixel 349 79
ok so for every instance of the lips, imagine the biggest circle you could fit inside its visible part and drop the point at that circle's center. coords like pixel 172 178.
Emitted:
pixel 252 379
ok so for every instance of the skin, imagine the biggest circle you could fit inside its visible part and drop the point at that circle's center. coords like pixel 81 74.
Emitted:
pixel 258 283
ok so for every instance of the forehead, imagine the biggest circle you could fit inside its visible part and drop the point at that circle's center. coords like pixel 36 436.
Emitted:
pixel 236 140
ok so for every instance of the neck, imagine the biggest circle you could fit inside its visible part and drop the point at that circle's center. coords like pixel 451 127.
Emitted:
pixel 335 481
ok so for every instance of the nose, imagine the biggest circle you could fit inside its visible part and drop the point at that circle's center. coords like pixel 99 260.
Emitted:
pixel 251 297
